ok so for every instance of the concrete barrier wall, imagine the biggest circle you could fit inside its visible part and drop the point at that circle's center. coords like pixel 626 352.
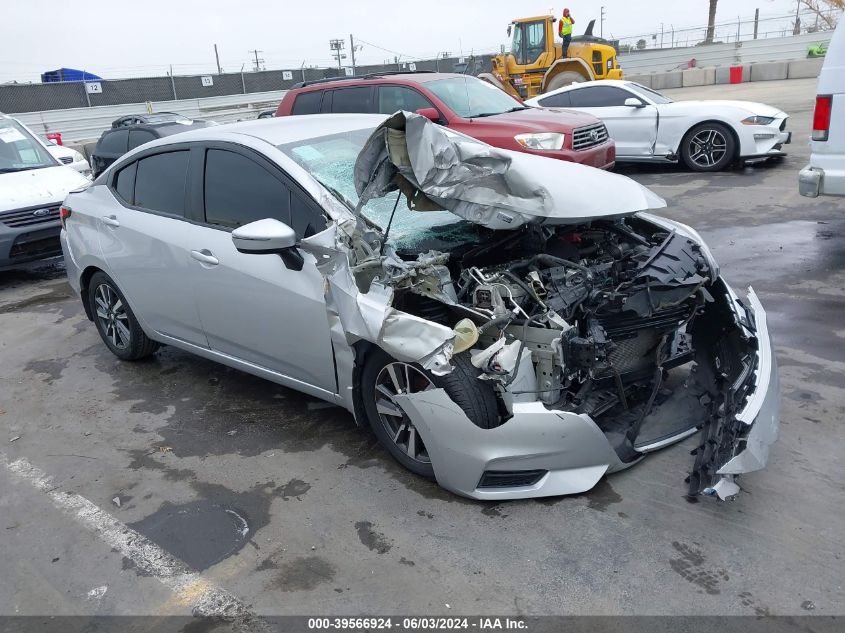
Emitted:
pixel 763 50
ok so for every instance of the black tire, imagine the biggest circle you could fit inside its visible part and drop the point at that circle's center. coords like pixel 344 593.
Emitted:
pixel 701 155
pixel 476 397
pixel 138 345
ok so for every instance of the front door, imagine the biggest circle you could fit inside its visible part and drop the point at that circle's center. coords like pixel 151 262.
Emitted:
pixel 253 307
pixel 633 129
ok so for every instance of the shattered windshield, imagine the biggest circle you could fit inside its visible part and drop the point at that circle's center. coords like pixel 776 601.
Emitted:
pixel 331 160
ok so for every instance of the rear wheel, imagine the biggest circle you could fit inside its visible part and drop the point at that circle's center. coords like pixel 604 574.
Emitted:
pixel 563 79
pixel 384 377
pixel 708 147
pixel 115 320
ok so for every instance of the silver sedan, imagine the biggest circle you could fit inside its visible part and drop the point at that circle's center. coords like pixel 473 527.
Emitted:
pixel 509 325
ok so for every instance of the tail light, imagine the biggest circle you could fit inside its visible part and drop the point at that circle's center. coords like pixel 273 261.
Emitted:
pixel 821 117
pixel 64 214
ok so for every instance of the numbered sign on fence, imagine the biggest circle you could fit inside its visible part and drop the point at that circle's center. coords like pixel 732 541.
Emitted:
pixel 93 87
pixel 287 75
pixel 207 80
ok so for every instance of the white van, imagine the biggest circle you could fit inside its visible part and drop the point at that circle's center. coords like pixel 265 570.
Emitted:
pixel 825 175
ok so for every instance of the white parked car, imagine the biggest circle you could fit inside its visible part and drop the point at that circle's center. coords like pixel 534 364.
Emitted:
pixel 648 126
pixel 32 186
pixel 70 157
pixel 825 175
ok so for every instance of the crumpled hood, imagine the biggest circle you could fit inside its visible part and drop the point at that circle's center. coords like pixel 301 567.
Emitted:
pixel 49 185
pixel 496 188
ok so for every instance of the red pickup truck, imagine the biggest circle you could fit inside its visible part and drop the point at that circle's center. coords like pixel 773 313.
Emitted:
pixel 464 104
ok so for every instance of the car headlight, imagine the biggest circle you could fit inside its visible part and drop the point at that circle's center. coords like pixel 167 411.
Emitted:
pixel 758 120
pixel 541 140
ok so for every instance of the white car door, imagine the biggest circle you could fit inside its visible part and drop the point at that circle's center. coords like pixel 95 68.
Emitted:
pixel 633 128
pixel 253 307
pixel 143 235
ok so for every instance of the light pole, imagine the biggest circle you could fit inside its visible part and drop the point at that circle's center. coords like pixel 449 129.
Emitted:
pixel 601 24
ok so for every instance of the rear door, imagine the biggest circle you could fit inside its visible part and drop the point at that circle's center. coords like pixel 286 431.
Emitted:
pixel 144 236
pixel 633 129
pixel 253 307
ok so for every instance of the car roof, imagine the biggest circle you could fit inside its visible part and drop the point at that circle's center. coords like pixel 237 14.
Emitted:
pixel 281 130
pixel 164 129
pixel 379 78
pixel 619 83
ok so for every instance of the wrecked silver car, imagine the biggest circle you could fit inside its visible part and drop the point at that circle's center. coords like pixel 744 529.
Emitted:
pixel 509 325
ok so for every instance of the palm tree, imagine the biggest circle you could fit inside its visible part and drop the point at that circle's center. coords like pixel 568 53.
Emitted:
pixel 711 22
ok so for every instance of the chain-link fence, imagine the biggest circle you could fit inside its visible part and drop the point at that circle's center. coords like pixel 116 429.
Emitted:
pixel 20 98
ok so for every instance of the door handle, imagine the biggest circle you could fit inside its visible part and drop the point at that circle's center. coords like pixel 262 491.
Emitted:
pixel 205 256
pixel 110 220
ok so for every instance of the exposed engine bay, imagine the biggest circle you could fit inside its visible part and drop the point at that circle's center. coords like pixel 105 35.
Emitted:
pixel 616 317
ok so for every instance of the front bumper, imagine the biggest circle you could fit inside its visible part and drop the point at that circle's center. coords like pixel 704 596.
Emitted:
pixel 567 451
pixel 601 156
pixel 26 244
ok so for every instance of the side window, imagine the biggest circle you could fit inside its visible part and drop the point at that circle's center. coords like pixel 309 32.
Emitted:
pixel 560 100
pixel 393 98
pixel 139 137
pixel 160 182
pixel 598 97
pixel 307 103
pixel 124 183
pixel 114 142
pixel 239 191
pixel 353 100
pixel 305 220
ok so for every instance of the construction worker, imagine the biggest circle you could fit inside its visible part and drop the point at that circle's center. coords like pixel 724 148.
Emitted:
pixel 564 29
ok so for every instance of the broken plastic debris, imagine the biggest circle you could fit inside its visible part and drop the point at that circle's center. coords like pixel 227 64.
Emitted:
pixel 466 335
pixel 116 501
pixel 14 439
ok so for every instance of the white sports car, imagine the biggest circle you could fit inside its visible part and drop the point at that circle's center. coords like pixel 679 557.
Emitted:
pixel 649 127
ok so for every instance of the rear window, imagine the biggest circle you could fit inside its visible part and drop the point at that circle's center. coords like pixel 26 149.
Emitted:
pixel 160 182
pixel 139 137
pixel 124 184
pixel 307 103
pixel 114 142
pixel 353 100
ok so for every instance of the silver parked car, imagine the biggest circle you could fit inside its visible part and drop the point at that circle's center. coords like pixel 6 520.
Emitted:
pixel 510 325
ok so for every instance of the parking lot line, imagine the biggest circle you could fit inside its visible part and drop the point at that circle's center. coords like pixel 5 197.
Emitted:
pixel 191 589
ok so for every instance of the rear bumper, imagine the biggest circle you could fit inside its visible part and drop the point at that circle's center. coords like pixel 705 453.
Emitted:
pixel 601 156
pixel 810 182
pixel 816 181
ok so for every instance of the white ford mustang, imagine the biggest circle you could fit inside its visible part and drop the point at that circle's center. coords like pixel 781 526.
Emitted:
pixel 649 127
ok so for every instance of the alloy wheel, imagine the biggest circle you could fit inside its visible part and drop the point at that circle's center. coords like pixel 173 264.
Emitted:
pixel 707 147
pixel 111 312
pixel 394 379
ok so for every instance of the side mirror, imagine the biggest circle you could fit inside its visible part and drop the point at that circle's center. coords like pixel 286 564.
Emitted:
pixel 430 113
pixel 633 102
pixel 267 237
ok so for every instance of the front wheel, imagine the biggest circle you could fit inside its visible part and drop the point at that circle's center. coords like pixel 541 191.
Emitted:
pixel 384 377
pixel 708 147
pixel 563 79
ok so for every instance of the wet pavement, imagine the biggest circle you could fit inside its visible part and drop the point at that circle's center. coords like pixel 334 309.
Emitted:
pixel 285 503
